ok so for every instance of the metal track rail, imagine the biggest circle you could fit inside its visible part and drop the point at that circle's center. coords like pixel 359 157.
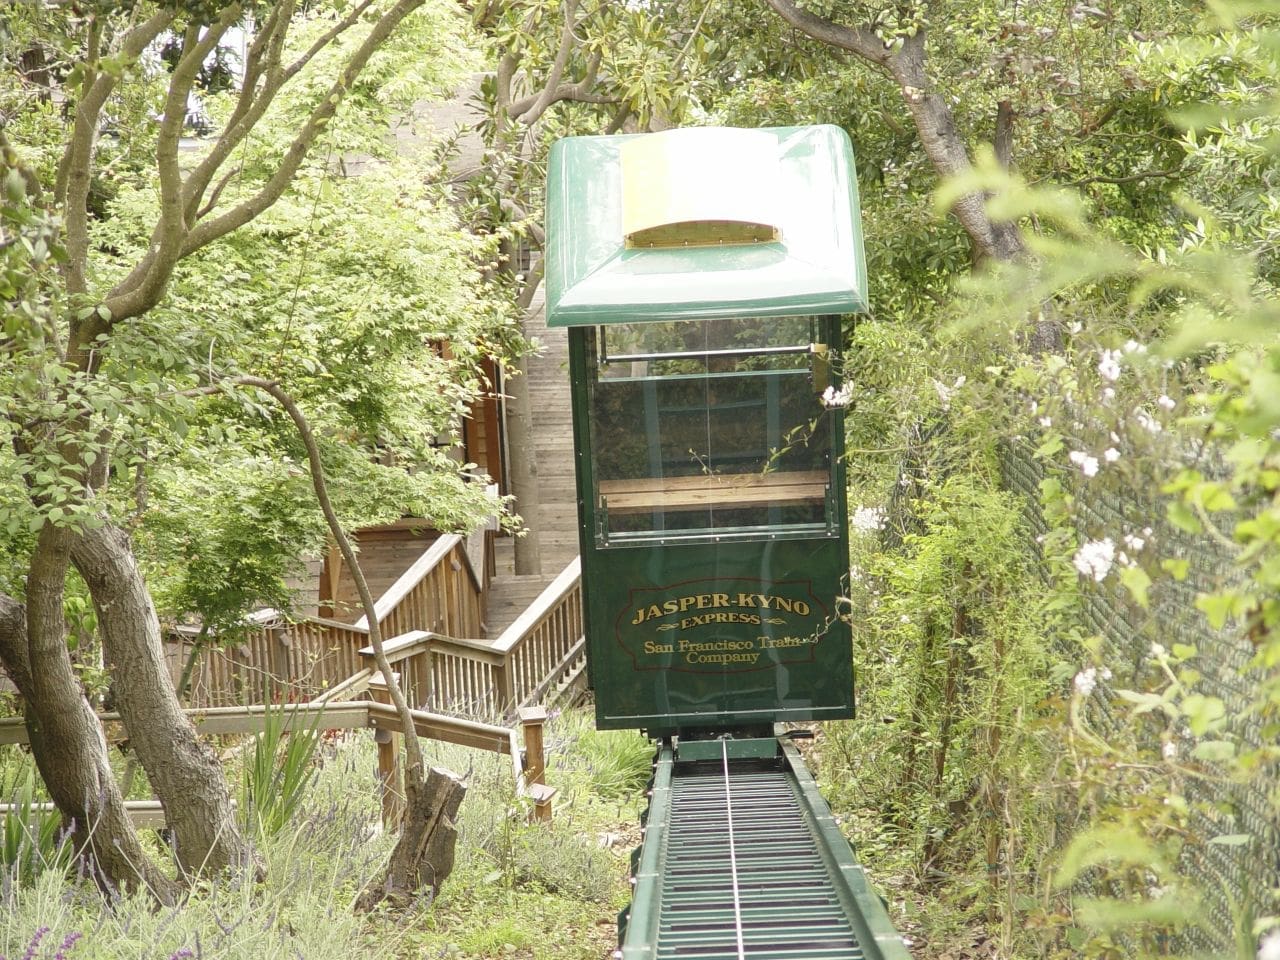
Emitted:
pixel 773 878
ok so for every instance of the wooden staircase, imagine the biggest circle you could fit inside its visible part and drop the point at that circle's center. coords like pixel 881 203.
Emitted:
pixel 464 643
pixel 548 371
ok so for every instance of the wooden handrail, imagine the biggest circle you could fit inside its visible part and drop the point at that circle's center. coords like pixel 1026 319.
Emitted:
pixel 545 602
pixel 356 683
pixel 313 717
pixel 440 549
pixel 402 647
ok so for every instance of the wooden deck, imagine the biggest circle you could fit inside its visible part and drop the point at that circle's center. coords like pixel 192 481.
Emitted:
pixel 553 429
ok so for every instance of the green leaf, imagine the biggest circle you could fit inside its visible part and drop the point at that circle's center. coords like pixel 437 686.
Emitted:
pixel 1146 702
pixel 1176 568
pixel 1214 497
pixel 1203 713
pixel 1052 445
pixel 1214 751
pixel 1231 839
pixel 1137 582
pixel 1220 607
pixel 1107 914
pixel 1182 517
pixel 1107 844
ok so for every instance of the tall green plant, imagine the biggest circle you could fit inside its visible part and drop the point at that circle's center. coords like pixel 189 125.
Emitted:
pixel 277 773
pixel 31 836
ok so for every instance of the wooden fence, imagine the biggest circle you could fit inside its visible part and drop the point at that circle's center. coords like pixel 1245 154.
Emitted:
pixel 430 619
pixel 540 652
pixel 282 661
pixel 527 765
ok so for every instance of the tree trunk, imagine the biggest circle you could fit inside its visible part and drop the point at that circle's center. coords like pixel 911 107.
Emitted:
pixel 423 855
pixel 67 741
pixel 184 771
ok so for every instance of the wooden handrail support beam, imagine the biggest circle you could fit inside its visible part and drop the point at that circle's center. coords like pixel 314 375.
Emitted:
pixel 144 814
pixel 553 677
pixel 354 684
pixel 353 715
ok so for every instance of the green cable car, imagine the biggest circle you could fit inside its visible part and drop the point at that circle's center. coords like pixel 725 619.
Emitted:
pixel 703 274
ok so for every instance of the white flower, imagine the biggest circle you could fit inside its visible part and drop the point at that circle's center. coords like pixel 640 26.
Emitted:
pixel 1108 394
pixel 1133 346
pixel 1086 680
pixel 1169 750
pixel 1158 650
pixel 1105 674
pixel 1134 542
pixel 868 519
pixel 1111 455
pixel 1147 422
pixel 1094 558
pixel 1046 422
pixel 1269 948
pixel 1076 327
pixel 1167 402
pixel 831 397
pixel 904 619
pixel 1088 465
pixel 1115 437
pixel 1109 365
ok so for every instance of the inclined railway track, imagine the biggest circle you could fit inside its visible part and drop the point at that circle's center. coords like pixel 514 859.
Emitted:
pixel 742 860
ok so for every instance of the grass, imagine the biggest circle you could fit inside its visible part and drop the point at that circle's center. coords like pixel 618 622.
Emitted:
pixel 519 890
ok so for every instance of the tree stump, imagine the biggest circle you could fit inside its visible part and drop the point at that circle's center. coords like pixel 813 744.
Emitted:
pixel 423 856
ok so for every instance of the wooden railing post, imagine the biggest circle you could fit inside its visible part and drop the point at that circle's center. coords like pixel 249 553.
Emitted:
pixel 505 695
pixel 389 777
pixel 535 767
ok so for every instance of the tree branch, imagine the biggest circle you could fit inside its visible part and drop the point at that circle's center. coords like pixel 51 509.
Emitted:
pixel 529 112
pixel 152 273
pixel 71 185
pixel 13 642
pixel 211 230
pixel 413 749
pixel 130 297
pixel 860 40
pixel 256 105
pixel 531 283
pixel 1003 140
pixel 249 107
pixel 1132 178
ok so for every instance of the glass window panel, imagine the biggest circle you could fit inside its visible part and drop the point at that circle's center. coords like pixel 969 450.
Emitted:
pixel 708 427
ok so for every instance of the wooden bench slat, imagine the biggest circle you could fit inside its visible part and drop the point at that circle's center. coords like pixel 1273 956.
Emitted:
pixel 707 490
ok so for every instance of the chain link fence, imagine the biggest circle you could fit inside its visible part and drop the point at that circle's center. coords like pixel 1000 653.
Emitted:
pixel 1236 878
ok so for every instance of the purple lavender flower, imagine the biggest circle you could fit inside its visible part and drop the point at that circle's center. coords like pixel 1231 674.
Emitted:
pixel 68 942
pixel 34 945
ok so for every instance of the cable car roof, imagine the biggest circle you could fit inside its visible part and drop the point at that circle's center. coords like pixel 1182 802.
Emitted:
pixel 703 222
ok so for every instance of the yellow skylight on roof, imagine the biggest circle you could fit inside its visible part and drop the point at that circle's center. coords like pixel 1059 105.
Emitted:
pixel 699 186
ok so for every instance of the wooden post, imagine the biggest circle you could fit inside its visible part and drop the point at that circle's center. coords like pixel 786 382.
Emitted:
pixel 535 768
pixel 421 674
pixel 390 780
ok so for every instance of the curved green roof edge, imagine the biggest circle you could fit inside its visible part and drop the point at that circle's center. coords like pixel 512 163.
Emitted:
pixel 817 267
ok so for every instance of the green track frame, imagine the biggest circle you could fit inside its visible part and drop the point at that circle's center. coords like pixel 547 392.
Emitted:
pixel 802 892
